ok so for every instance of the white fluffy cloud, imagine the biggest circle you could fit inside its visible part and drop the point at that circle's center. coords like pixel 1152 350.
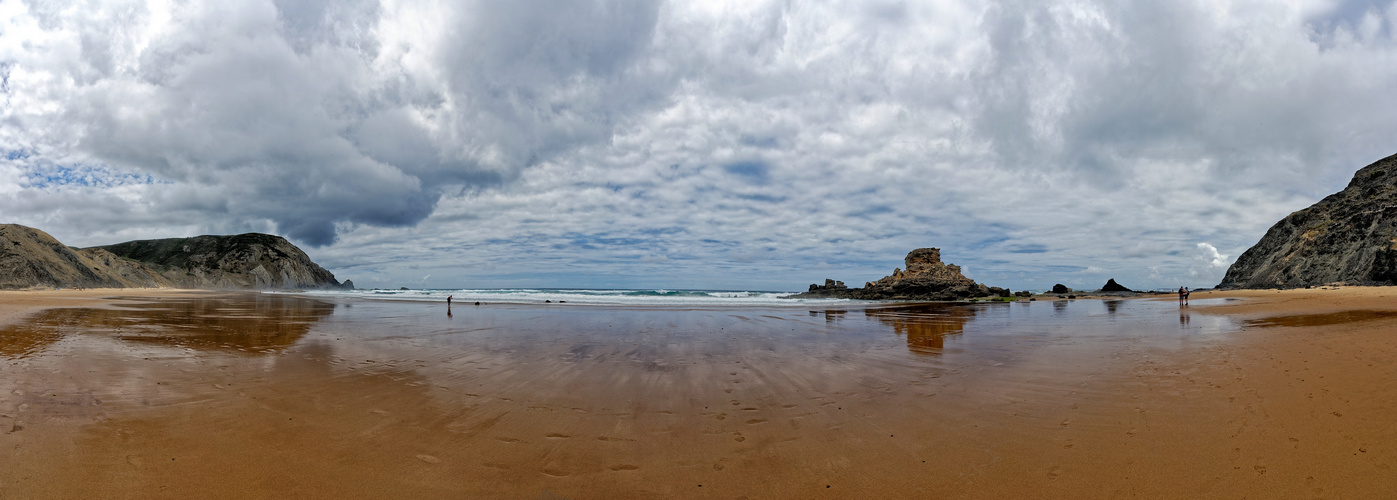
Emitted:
pixel 712 144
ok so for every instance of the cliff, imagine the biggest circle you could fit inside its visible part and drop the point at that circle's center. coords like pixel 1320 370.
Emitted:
pixel 250 260
pixel 31 258
pixel 1348 237
pixel 926 278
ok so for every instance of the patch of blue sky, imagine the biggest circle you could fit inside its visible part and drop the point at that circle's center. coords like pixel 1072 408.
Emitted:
pixel 58 176
pixel 1027 248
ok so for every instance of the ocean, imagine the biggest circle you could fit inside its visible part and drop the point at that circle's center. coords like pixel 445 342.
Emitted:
pixel 655 297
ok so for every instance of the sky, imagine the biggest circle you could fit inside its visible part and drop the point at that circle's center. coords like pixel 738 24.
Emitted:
pixel 743 145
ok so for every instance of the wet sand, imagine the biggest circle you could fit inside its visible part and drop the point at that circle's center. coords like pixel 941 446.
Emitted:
pixel 140 394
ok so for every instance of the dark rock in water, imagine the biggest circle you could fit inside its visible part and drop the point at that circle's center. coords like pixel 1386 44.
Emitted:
pixel 829 285
pixel 926 278
pixel 1061 288
pixel 999 292
pixel 347 285
pixel 1112 286
pixel 1348 237
pixel 402 288
pixel 1023 293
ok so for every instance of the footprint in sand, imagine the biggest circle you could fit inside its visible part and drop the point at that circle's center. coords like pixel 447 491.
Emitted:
pixel 429 459
pixel 612 439
pixel 507 440
pixel 554 473
pixel 622 467
pixel 756 421
pixel 1054 472
pixel 788 406
pixel 554 435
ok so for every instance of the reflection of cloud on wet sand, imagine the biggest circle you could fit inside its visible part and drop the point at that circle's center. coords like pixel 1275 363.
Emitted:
pixel 925 325
pixel 254 323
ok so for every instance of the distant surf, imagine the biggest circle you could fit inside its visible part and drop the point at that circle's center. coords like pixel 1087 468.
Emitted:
pixel 654 297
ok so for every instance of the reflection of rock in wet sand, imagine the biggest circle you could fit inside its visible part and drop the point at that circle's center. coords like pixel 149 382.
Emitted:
pixel 243 323
pixel 925 325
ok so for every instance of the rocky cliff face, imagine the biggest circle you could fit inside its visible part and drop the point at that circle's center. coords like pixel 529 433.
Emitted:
pixel 249 260
pixel 31 258
pixel 926 278
pixel 1348 237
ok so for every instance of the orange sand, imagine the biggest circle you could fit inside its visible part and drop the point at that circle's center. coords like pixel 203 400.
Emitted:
pixel 192 395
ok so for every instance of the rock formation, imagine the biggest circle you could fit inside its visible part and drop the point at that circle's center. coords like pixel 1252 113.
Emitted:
pixel 1348 237
pixel 250 260
pixel 1112 286
pixel 926 278
pixel 1061 288
pixel 31 258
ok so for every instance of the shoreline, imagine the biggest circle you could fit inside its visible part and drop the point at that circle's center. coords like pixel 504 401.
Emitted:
pixel 235 394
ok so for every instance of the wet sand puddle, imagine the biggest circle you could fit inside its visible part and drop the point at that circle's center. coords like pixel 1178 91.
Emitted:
pixel 1326 319
pixel 277 395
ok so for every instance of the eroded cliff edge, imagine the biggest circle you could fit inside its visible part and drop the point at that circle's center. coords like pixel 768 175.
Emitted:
pixel 1348 237
pixel 30 258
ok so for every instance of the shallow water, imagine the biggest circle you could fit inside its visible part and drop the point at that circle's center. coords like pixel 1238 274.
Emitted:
pixel 592 401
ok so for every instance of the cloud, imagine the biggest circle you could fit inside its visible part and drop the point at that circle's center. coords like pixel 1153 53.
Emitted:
pixel 1209 255
pixel 715 144
pixel 313 115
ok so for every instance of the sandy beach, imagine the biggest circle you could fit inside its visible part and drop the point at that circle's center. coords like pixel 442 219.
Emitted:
pixel 179 394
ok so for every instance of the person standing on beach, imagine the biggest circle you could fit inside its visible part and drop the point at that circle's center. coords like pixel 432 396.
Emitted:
pixel 1186 295
pixel 1182 294
pixel 448 302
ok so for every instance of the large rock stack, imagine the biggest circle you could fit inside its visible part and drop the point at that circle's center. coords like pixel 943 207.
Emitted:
pixel 926 278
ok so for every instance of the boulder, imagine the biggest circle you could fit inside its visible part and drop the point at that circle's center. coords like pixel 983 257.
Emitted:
pixel 1061 288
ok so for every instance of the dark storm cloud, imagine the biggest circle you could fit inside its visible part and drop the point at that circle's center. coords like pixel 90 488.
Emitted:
pixel 296 112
